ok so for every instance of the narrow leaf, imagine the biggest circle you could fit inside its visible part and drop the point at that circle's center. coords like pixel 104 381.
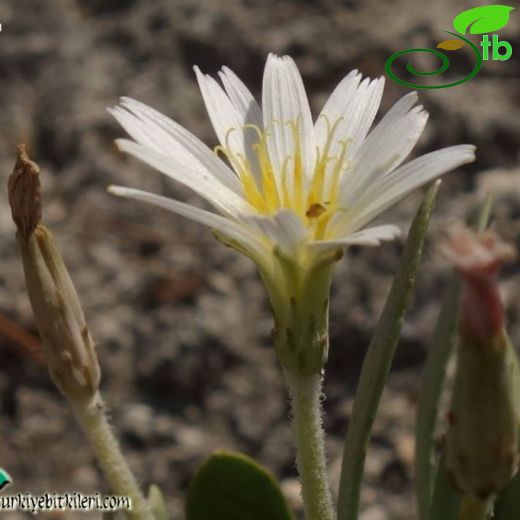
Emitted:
pixel 434 375
pixel 507 506
pixel 157 503
pixel 378 360
pixel 445 501
pixel 450 45
pixel 232 486
pixel 483 19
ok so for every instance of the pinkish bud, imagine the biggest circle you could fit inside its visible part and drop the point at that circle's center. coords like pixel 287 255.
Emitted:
pixel 482 440
pixel 478 261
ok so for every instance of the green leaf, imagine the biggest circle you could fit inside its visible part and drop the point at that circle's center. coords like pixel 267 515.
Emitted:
pixel 434 375
pixel 232 486
pixel 157 503
pixel 378 360
pixel 483 19
pixel 507 507
pixel 446 501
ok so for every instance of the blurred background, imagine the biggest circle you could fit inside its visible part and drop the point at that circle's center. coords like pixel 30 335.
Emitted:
pixel 182 324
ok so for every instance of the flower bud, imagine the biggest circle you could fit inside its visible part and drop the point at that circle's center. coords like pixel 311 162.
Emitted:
pixel 69 349
pixel 483 435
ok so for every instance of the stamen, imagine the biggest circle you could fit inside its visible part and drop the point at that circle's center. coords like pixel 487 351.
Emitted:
pixel 268 193
pixel 287 202
pixel 340 166
pixel 297 167
pixel 259 132
pixel 219 150
pixel 322 161
pixel 269 188
pixel 242 167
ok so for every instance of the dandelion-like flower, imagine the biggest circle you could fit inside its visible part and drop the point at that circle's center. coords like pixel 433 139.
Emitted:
pixel 289 193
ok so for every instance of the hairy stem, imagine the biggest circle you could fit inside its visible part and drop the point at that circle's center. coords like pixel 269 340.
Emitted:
pixel 93 419
pixel 305 396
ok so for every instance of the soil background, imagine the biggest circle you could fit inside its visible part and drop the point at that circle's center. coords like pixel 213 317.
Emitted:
pixel 182 324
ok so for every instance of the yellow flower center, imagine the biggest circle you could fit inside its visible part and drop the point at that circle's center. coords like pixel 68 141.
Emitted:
pixel 315 201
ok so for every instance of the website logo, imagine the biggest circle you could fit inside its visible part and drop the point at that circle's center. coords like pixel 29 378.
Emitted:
pixel 479 20
pixel 5 479
pixel 74 501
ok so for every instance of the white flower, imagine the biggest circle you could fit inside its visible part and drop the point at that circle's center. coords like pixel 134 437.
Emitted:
pixel 290 194
pixel 305 189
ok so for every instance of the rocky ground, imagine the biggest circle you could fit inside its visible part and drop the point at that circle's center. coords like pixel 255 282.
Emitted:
pixel 182 324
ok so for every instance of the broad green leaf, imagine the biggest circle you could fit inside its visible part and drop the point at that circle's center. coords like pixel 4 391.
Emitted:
pixel 483 19
pixel 378 360
pixel 450 45
pixel 157 503
pixel 232 486
pixel 430 483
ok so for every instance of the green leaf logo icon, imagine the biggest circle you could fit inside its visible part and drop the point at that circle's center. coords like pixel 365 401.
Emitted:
pixel 5 479
pixel 484 19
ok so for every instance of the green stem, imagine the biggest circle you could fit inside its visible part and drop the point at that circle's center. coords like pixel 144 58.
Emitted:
pixel 473 508
pixel 93 419
pixel 305 395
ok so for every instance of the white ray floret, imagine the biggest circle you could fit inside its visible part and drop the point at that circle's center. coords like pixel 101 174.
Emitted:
pixel 279 180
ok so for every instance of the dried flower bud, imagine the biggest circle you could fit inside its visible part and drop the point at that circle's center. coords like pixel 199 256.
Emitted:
pixel 69 349
pixel 24 193
pixel 482 440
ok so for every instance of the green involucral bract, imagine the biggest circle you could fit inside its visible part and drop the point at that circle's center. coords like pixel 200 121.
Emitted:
pixel 298 290
pixel 482 440
pixel 299 296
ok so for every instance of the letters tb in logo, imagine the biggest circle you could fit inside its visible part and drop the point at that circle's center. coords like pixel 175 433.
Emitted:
pixel 500 49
